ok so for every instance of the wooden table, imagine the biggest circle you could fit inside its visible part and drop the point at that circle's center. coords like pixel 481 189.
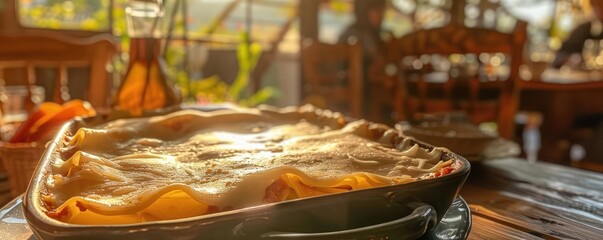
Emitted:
pixel 561 102
pixel 509 199
pixel 514 199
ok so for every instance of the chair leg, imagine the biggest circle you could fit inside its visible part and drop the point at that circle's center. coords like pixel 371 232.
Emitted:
pixel 399 110
pixel 506 117
pixel 61 91
pixel 31 80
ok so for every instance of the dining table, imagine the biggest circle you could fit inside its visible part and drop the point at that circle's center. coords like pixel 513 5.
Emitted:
pixel 566 99
pixel 509 198
pixel 512 198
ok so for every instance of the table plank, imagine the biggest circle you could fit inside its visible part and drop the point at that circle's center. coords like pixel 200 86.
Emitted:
pixel 484 228
pixel 545 200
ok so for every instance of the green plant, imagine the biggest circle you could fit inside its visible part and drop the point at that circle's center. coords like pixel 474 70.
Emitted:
pixel 214 90
pixel 59 14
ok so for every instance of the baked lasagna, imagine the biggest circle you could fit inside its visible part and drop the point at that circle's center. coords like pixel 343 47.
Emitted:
pixel 191 163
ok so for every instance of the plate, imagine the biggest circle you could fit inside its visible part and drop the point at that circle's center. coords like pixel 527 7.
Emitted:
pixel 499 148
pixel 568 76
pixel 455 224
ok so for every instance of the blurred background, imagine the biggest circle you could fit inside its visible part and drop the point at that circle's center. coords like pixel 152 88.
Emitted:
pixel 386 61
pixel 214 28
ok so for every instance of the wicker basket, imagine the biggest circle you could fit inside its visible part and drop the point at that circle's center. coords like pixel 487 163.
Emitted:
pixel 20 161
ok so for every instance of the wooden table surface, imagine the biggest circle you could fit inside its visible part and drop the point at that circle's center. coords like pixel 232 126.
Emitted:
pixel 509 199
pixel 514 199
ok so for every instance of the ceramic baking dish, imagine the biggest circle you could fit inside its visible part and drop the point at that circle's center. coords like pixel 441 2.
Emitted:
pixel 405 211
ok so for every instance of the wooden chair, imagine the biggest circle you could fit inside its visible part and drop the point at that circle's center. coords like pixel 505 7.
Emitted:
pixel 332 77
pixel 381 80
pixel 62 53
pixel 20 58
pixel 454 82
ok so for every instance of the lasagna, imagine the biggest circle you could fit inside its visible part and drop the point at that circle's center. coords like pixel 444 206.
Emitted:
pixel 191 163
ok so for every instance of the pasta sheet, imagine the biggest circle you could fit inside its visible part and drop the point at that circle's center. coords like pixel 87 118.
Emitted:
pixel 191 163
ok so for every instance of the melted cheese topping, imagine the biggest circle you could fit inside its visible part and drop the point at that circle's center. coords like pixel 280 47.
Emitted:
pixel 191 163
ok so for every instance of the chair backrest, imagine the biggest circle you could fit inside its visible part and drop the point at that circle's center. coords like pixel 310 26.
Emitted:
pixel 332 76
pixel 460 68
pixel 61 53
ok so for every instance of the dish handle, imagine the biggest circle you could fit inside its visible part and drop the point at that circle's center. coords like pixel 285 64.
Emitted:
pixel 411 226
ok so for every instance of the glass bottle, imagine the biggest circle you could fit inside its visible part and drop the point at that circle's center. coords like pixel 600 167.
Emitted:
pixel 145 86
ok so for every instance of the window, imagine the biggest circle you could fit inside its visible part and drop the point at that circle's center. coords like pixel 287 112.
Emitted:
pixel 65 14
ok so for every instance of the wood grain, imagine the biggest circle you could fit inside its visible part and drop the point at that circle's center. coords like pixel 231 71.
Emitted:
pixel 484 228
pixel 542 200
